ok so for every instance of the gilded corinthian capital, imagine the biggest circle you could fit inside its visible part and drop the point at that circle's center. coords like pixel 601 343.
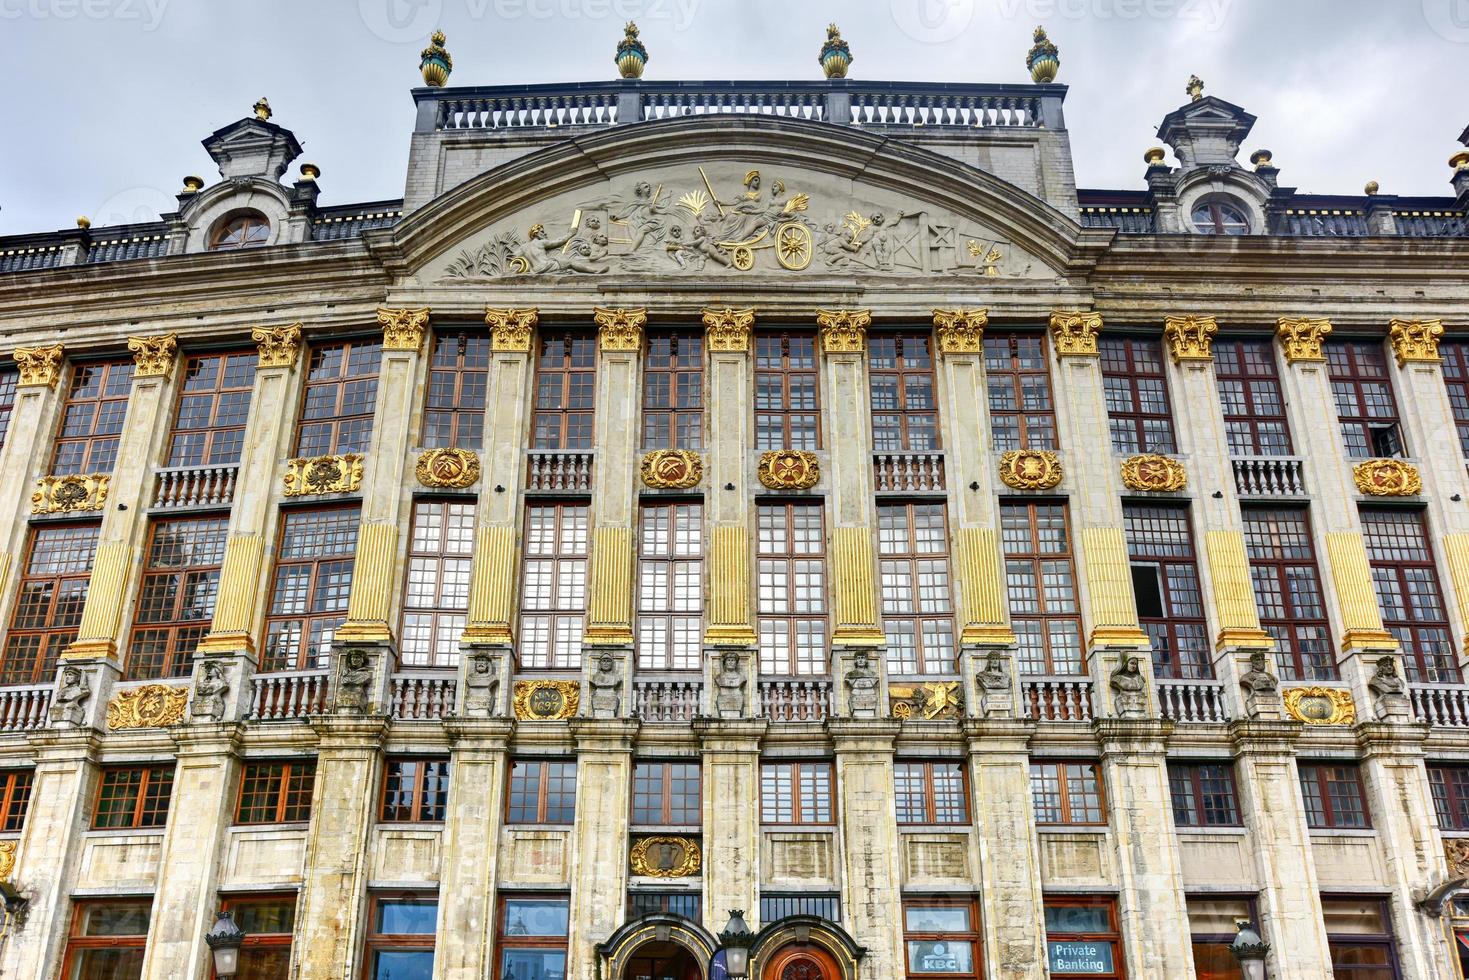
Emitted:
pixel 1074 332
pixel 728 330
pixel 511 330
pixel 153 357
pixel 1191 338
pixel 843 331
pixel 1416 341
pixel 40 367
pixel 620 330
pixel 403 329
pixel 279 346
pixel 1301 337
pixel 960 331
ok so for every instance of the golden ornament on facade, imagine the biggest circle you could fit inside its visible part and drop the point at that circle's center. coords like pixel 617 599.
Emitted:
pixel 619 330
pixel 666 857
pixel 323 474
pixel 1191 338
pixel 728 330
pixel 1456 853
pixel 511 330
pixel 1387 478
pixel 1074 333
pixel 1416 341
pixel 938 700
pixel 672 469
pixel 960 331
pixel 843 331
pixel 1157 474
pixel 149 706
pixel 403 329
pixel 69 494
pixel 451 468
pixel 788 469
pixel 1030 469
pixel 1321 705
pixel 279 346
pixel 546 700
pixel 40 367
pixel 153 357
pixel 7 859
pixel 1301 338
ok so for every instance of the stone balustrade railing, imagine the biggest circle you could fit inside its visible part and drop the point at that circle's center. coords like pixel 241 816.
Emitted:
pixel 23 709
pixel 795 700
pixel 666 699
pixel 288 695
pixel 558 472
pixel 908 472
pixel 1442 705
pixel 1193 701
pixel 195 486
pixel 1057 698
pixel 1269 476
pixel 422 696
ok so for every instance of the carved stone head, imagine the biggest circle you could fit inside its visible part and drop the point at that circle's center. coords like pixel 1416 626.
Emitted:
pixel 731 661
pixel 356 660
pixel 606 664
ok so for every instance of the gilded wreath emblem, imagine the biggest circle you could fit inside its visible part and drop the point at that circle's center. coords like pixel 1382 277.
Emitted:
pixel 1030 469
pixel 666 857
pixel 546 700
pixel 789 469
pixel 1321 706
pixel 149 706
pixel 456 468
pixel 66 494
pixel 672 469
pixel 1158 474
pixel 1387 478
pixel 324 474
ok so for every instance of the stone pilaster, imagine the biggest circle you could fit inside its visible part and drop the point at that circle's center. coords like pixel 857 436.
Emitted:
pixel 1150 870
pixel 374 574
pixel 1289 899
pixel 1010 875
pixel 124 517
pixel 731 818
pixel 872 878
pixel 25 457
pixel 329 917
pixel 204 784
pixel 599 844
pixel 477 773
pixel 730 618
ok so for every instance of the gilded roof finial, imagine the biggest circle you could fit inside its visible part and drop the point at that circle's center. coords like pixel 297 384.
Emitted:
pixel 1195 88
pixel 836 55
pixel 1460 160
pixel 1044 59
pixel 435 62
pixel 262 109
pixel 84 222
pixel 631 56
pixel 1372 188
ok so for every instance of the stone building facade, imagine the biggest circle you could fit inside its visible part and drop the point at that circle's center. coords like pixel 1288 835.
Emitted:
pixel 790 497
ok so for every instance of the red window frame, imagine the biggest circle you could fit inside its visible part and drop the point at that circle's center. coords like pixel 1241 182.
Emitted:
pixel 1112 937
pixel 79 943
pixel 1334 796
pixel 15 798
pixel 292 784
pixel 48 603
pixel 901 385
pixel 673 391
pixel 1160 544
pixel 318 609
pixel 339 399
pixel 261 950
pixel 436 587
pixel 1288 592
pixel 1040 587
pixel 552 778
pixel 1450 787
pixel 1136 385
pixel 1251 398
pixel 1204 794
pixel 1366 407
pixel 973 937
pixel 667 794
pixel 917 589
pixel 212 409
pixel 508 938
pixel 566 391
pixel 1455 354
pixel 415 789
pixel 92 418
pixel 670 618
pixel 1053 777
pixel 376 942
pixel 940 790
pixel 1409 593
pixel 557 553
pixel 9 384
pixel 143 795
pixel 791 610
pixel 805 790
pixel 1018 377
pixel 175 604
pixel 458 385
pixel 787 391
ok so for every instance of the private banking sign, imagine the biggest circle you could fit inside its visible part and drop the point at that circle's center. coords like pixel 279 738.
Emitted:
pixel 1081 958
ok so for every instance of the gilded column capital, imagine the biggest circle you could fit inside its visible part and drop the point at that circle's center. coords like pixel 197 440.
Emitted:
pixel 728 330
pixel 510 329
pixel 960 331
pixel 40 367
pixel 843 331
pixel 279 346
pixel 1301 337
pixel 403 329
pixel 153 357
pixel 1191 338
pixel 1074 332
pixel 1416 341
pixel 620 330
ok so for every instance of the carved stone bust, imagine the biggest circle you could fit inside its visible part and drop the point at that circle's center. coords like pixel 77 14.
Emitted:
pixel 481 685
pixel 354 682
pixel 862 687
pixel 209 691
pixel 1129 690
pixel 1390 691
pixel 606 684
pixel 69 705
pixel 729 683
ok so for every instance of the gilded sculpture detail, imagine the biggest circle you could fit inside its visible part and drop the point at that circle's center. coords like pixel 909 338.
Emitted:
pixel 1030 469
pixel 728 330
pixel 149 706
pixel 323 474
pixel 7 859
pixel 932 701
pixel 546 700
pixel 1074 333
pixel 153 357
pixel 1191 338
pixel 788 469
pixel 666 857
pixel 1321 705
pixel 40 367
pixel 619 330
pixel 511 330
pixel 448 468
pixel 279 346
pixel 960 331
pixel 1301 338
pixel 403 329
pixel 1416 341
pixel 843 331
pixel 69 494
pixel 671 469
pixel 1387 478
pixel 1157 474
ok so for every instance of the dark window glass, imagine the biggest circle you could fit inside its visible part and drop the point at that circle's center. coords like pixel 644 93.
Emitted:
pixel 176 598
pixel 931 793
pixel 415 790
pixel 1450 785
pixel 213 407
pixel 9 380
pixel 15 798
pixel 792 606
pixel 1365 406
pixel 248 230
pixel 1408 592
pixel 1250 395
pixel 313 575
pixel 666 794
pixel 48 604
pixel 1022 413
pixel 1170 601
pixel 91 419
pixel 1137 395
pixel 787 396
pixel 1212 922
pixel 795 793
pixel 673 392
pixel 777 906
pixel 1334 796
pixel 1359 933
pixel 904 407
pixel 1067 793
pixel 542 792
pixel 1083 938
pixel 531 939
pixel 941 938
pixel 276 792
pixel 553 596
pixel 1203 794
pixel 1288 592
pixel 400 937
pixel 1455 355
pixel 340 398
pixel 133 797
pixel 107 940
pixel 917 605
pixel 454 412
pixel 641 903
pixel 268 922
pixel 566 391
pixel 1040 584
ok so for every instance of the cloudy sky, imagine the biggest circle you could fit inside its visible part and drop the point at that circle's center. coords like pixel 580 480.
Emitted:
pixel 108 99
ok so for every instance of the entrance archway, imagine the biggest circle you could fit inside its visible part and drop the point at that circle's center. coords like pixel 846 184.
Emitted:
pixel 661 961
pixel 658 946
pixel 802 961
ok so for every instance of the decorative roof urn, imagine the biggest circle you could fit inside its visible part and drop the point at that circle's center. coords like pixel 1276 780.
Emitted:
pixel 836 56
pixel 1044 59
pixel 435 62
pixel 632 57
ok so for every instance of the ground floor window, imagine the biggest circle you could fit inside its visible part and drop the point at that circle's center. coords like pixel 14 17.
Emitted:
pixel 106 940
pixel 267 921
pixel 533 937
pixel 1359 932
pixel 1213 924
pixel 1083 938
pixel 941 937
pixel 400 937
pixel 684 903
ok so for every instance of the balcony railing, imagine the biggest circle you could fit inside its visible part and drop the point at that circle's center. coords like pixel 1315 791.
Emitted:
pixel 793 700
pixel 287 696
pixel 667 700
pixel 1269 476
pixel 23 709
pixel 1057 698
pixel 1193 701
pixel 195 486
pixel 422 696
pixel 1442 705
pixel 558 471
pixel 908 472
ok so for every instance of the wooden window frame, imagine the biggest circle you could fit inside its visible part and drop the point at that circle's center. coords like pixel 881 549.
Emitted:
pixel 9 384
pixel 902 414
pixel 312 618
pixel 798 793
pixel 666 808
pixel 1192 772
pixel 1145 549
pixel 1113 938
pixel 787 561
pixel 910 560
pixel 658 364
pixel 1382 940
pixel 543 790
pixel 1063 792
pixel 1455 354
pixel 290 769
pixel 974 938
pixel 1030 566
pixel 358 426
pixel 1246 427
pixel 664 611
pixel 77 943
pixel 424 810
pixel 556 618
pixel 256 940
pixel 448 616
pixel 180 635
pixel 375 942
pixel 786 413
pixel 15 798
pixel 143 817
pixel 1129 426
pixel 214 433
pixel 449 396
pixel 251 221
pixel 1013 376
pixel 1349 367
pixel 1450 795
pixel 574 344
pixel 504 941
pixel 98 449
pixel 927 769
pixel 1415 631
pixel 53 639
pixel 1326 817
pixel 1293 660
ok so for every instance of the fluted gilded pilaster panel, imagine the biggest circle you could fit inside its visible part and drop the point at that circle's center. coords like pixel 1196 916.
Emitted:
pixel 235 607
pixel 102 613
pixel 372 585
pixel 1109 587
pixel 730 622
pixel 981 590
pixel 609 621
pixel 1456 552
pixel 1234 593
pixel 855 588
pixel 1352 577
pixel 492 586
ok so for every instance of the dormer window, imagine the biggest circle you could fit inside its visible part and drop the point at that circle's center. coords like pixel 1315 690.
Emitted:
pixel 1220 218
pixel 246 230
